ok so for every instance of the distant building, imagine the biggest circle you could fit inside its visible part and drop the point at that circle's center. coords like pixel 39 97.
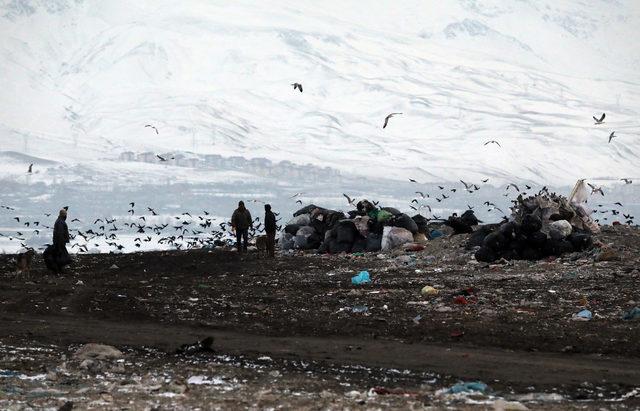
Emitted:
pixel 127 156
pixel 214 160
pixel 147 157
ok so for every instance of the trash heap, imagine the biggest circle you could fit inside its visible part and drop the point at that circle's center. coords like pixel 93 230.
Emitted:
pixel 543 225
pixel 365 229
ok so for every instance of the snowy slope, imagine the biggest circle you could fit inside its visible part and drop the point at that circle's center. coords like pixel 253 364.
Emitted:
pixel 81 78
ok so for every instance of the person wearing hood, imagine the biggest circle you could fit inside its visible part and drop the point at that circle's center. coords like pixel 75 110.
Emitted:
pixel 270 230
pixel 241 221
pixel 57 256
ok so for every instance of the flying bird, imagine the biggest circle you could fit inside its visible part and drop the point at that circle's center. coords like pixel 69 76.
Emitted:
pixel 612 136
pixel 412 180
pixel 30 168
pixel 600 120
pixel 492 141
pixel 595 189
pixel 386 119
pixel 160 157
pixel 296 195
pixel 514 186
pixel 349 199
pixel 153 127
pixel 297 86
pixel 626 180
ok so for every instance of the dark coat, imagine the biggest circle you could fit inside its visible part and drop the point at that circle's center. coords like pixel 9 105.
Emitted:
pixel 269 222
pixel 241 219
pixel 60 233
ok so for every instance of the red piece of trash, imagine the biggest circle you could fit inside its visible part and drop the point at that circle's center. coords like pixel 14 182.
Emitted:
pixel 460 299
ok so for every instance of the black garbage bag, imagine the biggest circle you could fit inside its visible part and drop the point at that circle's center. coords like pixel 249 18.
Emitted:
pixel 314 240
pixel 346 232
pixel 292 229
pixel 469 218
pixel 531 224
pixel 353 214
pixel 319 226
pixel 333 218
pixel 404 221
pixel 306 210
pixel 537 240
pixel 495 241
pixel 580 241
pixel 422 222
pixel 376 226
pixel 477 238
pixel 336 247
pixel 374 241
pixel 359 246
pixel 486 255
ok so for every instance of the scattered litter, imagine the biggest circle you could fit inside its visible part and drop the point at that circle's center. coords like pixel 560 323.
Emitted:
pixel 475 386
pixel 360 309
pixel 428 290
pixel 114 267
pixel 584 315
pixel 417 319
pixel 361 278
pixel 633 314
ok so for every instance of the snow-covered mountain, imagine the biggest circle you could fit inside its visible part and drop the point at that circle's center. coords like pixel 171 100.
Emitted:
pixel 82 78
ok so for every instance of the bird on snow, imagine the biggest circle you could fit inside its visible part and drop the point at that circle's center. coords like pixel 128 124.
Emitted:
pixel 600 120
pixel 492 141
pixel 612 136
pixel 386 119
pixel 297 86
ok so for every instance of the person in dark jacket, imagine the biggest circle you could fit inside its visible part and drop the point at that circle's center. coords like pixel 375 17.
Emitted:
pixel 241 221
pixel 270 229
pixel 56 256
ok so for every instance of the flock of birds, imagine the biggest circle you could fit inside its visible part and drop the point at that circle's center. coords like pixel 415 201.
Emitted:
pixel 184 231
pixel 188 232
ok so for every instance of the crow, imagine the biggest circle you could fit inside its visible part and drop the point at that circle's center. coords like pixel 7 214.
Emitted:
pixel 297 86
pixel 626 180
pixel 601 120
pixel 386 119
pixel 160 157
pixel 612 136
pixel 492 141
pixel 30 168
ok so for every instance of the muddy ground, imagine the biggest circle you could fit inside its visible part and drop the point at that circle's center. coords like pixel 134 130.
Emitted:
pixel 293 332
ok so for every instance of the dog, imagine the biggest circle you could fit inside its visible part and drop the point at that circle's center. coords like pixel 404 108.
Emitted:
pixel 261 245
pixel 23 262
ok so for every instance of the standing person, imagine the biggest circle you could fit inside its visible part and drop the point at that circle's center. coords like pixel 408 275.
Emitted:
pixel 57 256
pixel 241 221
pixel 270 229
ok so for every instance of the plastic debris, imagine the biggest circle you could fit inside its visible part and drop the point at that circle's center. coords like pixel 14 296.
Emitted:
pixel 361 278
pixel 417 319
pixel 633 314
pixel 584 315
pixel 474 386
pixel 435 234
pixel 428 290
pixel 359 309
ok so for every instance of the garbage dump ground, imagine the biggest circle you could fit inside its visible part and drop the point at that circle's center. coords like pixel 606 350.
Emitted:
pixel 433 328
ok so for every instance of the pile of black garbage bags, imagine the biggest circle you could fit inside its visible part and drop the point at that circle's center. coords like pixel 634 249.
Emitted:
pixel 365 229
pixel 540 228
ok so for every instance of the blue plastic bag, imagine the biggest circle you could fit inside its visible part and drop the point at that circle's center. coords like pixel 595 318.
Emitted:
pixel 586 314
pixel 633 314
pixel 361 278
pixel 476 386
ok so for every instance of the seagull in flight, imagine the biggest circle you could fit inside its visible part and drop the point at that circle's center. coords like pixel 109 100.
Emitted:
pixel 595 189
pixel 349 199
pixel 386 119
pixel 600 120
pixel 626 180
pixel 297 86
pixel 30 168
pixel 612 136
pixel 492 141
pixel 153 127
pixel 161 158
pixel 296 195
